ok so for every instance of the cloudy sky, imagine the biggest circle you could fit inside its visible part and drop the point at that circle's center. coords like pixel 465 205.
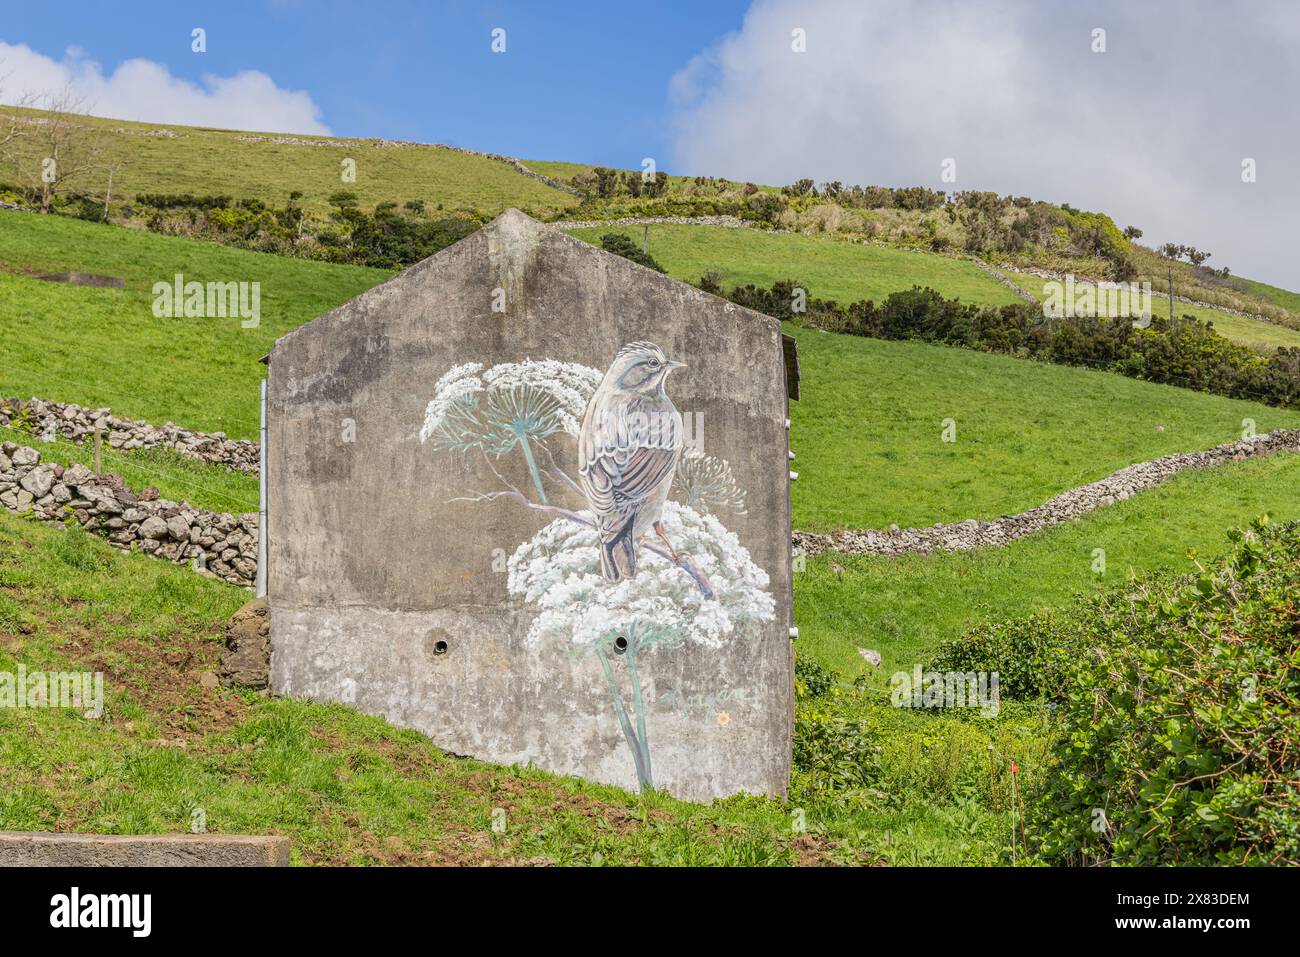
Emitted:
pixel 1153 130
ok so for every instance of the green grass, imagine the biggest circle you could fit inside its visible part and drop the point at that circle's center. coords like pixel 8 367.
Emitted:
pixel 177 477
pixel 842 271
pixel 868 431
pixel 350 789
pixel 1282 298
pixel 902 607
pixel 214 162
pixel 1255 333
pixel 105 347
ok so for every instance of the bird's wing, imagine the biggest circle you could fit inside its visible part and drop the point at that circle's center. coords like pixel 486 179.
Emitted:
pixel 626 453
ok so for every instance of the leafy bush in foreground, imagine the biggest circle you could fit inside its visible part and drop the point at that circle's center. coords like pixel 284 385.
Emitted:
pixel 1179 701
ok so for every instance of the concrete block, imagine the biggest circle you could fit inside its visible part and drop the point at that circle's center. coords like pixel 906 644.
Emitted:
pixel 48 849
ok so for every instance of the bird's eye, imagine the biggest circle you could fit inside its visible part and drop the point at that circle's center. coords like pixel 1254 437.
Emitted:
pixel 654 363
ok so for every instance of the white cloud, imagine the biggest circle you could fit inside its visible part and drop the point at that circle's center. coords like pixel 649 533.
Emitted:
pixel 1153 131
pixel 144 90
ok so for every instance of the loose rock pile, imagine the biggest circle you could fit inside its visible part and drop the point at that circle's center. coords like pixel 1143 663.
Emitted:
pixel 219 544
pixel 1077 502
pixel 75 422
pixel 246 662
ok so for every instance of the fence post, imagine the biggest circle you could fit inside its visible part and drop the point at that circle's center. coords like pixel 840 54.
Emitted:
pixel 261 501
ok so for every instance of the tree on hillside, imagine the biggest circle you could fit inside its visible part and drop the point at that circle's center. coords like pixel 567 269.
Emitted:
pixel 1132 232
pixel 61 151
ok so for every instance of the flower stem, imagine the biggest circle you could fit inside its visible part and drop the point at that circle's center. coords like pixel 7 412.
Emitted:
pixel 621 711
pixel 532 465
pixel 638 706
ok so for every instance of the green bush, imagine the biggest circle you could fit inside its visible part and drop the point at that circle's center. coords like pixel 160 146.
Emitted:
pixel 812 679
pixel 1178 701
pixel 834 755
pixel 620 245
pixel 1027 655
pixel 1191 355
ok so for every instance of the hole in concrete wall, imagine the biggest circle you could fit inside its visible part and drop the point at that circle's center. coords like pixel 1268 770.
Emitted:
pixel 439 647
pixel 620 644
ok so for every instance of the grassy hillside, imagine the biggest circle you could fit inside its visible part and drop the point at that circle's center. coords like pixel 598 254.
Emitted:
pixel 832 269
pixel 157 158
pixel 348 789
pixel 105 347
pixel 1282 298
pixel 867 431
pixel 1255 333
pixel 875 783
pixel 903 606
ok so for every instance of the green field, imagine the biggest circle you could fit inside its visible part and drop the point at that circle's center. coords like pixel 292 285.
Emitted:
pixel 831 269
pixel 1282 298
pixel 208 162
pixel 902 607
pixel 351 789
pixel 868 431
pixel 105 347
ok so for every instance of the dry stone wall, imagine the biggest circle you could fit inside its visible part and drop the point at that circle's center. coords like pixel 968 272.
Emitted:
pixel 1077 502
pixel 219 544
pixel 77 423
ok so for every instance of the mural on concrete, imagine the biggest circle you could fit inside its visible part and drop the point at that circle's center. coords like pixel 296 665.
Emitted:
pixel 633 571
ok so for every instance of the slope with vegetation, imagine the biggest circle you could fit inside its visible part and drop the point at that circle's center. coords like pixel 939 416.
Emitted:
pixel 872 782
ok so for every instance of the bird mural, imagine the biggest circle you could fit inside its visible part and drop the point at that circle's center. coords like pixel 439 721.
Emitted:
pixel 628 446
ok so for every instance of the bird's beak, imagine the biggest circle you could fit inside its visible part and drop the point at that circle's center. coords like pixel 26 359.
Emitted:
pixel 674 364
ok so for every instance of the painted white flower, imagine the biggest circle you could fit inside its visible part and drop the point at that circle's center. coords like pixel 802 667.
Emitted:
pixel 559 572
pixel 510 405
pixel 707 482
pixel 451 409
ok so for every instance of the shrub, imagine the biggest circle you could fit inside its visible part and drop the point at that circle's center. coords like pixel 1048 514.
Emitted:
pixel 620 245
pixel 1192 355
pixel 811 678
pixel 1179 705
pixel 834 755
pixel 1027 655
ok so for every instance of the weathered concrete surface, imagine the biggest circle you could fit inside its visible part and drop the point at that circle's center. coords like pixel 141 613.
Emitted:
pixel 372 564
pixel 45 849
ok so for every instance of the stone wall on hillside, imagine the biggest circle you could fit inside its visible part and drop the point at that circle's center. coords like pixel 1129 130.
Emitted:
pixel 1075 503
pixel 1049 274
pixel 46 419
pixel 219 544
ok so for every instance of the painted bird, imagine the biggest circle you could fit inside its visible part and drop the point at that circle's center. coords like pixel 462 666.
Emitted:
pixel 627 454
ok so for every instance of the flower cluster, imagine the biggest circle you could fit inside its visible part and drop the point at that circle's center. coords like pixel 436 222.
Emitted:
pixel 708 483
pixel 494 408
pixel 559 571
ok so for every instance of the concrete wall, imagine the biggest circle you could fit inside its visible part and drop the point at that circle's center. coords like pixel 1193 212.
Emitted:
pixel 388 580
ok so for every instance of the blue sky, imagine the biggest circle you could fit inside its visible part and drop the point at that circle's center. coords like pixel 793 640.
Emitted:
pixel 581 81
pixel 1153 125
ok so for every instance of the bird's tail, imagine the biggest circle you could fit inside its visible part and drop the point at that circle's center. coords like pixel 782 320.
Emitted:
pixel 618 554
